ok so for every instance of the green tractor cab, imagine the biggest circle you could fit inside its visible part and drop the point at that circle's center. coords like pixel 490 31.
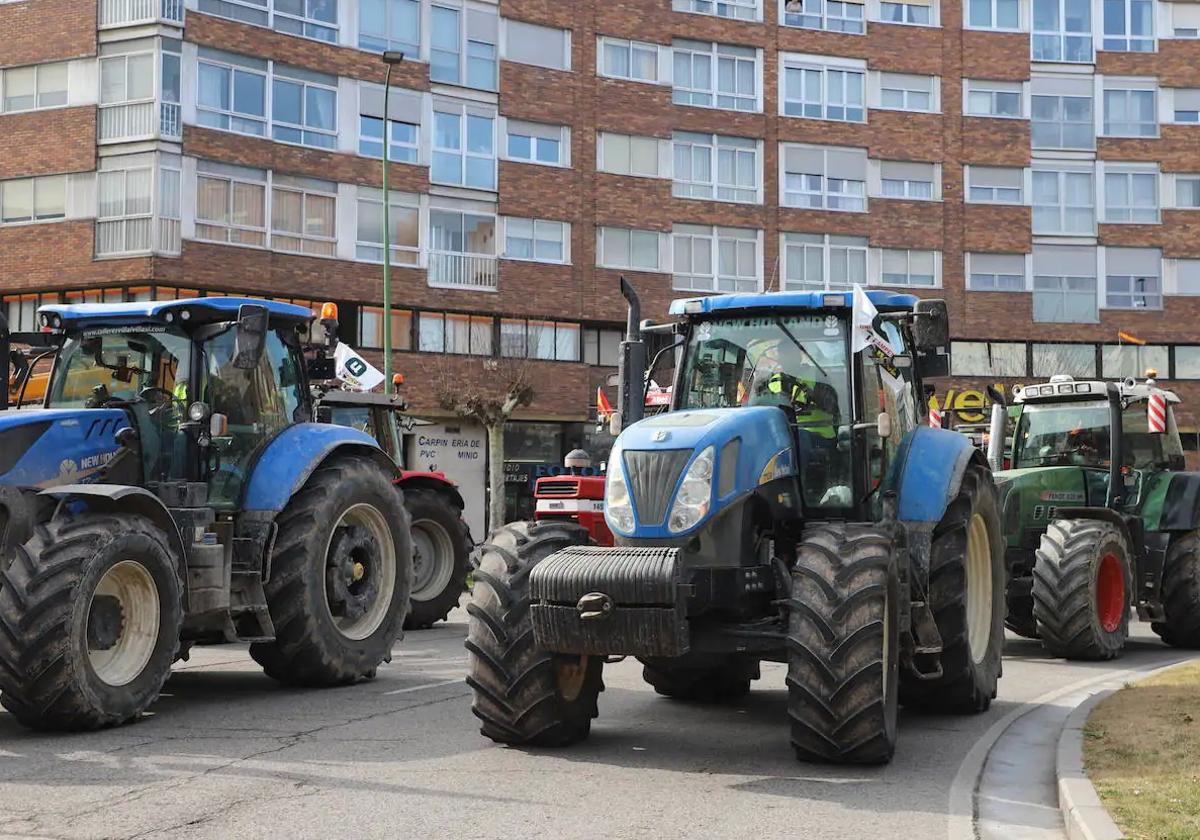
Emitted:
pixel 1099 515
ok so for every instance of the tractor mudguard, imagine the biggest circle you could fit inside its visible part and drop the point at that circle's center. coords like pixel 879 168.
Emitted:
pixel 927 472
pixel 294 454
pixel 1178 508
pixel 435 481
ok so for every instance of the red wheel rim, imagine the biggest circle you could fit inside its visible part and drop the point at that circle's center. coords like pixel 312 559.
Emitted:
pixel 1110 593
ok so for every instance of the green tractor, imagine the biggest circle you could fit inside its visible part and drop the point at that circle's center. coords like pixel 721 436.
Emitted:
pixel 1099 515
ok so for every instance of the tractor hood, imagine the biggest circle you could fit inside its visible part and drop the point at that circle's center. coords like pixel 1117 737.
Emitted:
pixel 720 454
pixel 1030 498
pixel 47 447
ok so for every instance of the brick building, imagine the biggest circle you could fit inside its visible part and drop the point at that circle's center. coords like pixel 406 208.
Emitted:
pixel 1035 162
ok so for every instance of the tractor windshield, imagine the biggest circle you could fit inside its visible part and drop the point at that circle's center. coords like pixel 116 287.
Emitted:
pixel 1064 434
pixel 125 365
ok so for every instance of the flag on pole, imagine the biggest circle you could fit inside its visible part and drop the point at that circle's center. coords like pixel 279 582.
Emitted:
pixel 604 409
pixel 866 334
pixel 354 370
pixel 1129 338
pixel 1156 413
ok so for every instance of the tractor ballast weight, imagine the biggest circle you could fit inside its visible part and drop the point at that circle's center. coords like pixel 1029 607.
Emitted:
pixel 788 508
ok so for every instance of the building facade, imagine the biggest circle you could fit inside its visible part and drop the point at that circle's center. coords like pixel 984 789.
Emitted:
pixel 1035 162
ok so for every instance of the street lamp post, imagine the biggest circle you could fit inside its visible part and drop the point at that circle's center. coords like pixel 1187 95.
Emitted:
pixel 391 58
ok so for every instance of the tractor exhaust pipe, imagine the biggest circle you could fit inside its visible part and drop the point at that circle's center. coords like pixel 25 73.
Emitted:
pixel 5 360
pixel 995 450
pixel 1116 482
pixel 631 376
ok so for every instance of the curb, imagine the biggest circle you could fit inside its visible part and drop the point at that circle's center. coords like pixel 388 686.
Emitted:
pixel 1084 817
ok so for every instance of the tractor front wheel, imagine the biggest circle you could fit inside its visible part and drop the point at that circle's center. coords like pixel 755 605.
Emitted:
pixel 90 612
pixel 1181 593
pixel 844 645
pixel 525 695
pixel 1081 589
pixel 441 556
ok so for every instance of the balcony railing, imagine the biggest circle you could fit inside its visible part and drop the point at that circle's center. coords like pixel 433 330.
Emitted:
pixel 453 270
pixel 133 12
pixel 139 121
pixel 137 236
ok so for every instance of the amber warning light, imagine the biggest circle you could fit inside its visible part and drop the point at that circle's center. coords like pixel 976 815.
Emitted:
pixel 329 312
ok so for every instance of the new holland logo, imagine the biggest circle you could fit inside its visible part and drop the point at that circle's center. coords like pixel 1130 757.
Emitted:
pixel 660 435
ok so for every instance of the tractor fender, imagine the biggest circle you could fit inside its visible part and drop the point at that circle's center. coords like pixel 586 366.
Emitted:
pixel 928 472
pixel 435 481
pixel 1180 504
pixel 295 453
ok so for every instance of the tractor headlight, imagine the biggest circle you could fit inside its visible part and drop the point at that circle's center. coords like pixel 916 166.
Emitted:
pixel 617 506
pixel 695 494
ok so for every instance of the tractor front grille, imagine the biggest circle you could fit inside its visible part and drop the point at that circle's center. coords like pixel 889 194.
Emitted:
pixel 652 476
pixel 559 489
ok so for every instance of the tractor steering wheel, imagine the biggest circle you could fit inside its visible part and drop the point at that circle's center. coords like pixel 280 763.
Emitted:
pixel 165 400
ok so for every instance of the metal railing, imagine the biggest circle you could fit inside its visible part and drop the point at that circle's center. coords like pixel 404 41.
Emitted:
pixel 137 236
pixel 454 270
pixel 171 121
pixel 137 121
pixel 132 12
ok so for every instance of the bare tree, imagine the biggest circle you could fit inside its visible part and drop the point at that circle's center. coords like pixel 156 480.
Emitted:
pixel 488 396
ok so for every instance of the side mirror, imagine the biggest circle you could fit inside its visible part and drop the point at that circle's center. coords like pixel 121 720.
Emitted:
pixel 932 365
pixel 251 336
pixel 931 326
pixel 324 414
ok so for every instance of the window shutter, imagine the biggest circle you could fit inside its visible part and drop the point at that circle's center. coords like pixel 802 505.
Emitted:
pixel 998 264
pixel 1135 262
pixel 846 163
pixel 1062 86
pixel 906 171
pixel 1064 260
pixel 808 159
pixel 1187 99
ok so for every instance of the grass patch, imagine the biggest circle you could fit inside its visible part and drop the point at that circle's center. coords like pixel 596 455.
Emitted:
pixel 1141 748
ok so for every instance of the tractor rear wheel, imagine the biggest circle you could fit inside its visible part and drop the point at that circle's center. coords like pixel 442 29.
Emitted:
pixel 1081 589
pixel 90 612
pixel 1181 593
pixel 712 684
pixel 341 573
pixel 843 645
pixel 966 594
pixel 525 695
pixel 441 557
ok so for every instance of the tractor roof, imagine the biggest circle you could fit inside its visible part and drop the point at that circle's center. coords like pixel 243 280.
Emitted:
pixel 886 301
pixel 1063 388
pixel 200 311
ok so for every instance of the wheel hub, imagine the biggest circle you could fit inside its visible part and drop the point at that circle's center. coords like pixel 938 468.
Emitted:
pixel 1110 593
pixel 106 621
pixel 122 623
pixel 350 584
pixel 433 559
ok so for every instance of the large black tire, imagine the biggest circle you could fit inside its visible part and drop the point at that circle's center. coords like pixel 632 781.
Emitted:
pixel 525 695
pixel 324 639
pixel 966 594
pixel 843 645
pixel 438 523
pixel 1019 617
pixel 1081 590
pixel 712 684
pixel 69 659
pixel 1181 593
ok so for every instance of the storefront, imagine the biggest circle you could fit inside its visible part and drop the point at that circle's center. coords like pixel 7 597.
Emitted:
pixel 535 449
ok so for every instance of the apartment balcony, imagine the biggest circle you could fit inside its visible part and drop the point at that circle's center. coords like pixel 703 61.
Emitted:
pixel 455 270
pixel 137 236
pixel 116 13
pixel 148 120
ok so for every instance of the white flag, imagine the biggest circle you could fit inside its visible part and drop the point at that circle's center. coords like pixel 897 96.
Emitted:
pixel 862 328
pixel 354 370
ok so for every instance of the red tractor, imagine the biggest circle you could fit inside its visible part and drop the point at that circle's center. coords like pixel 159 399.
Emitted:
pixel 577 498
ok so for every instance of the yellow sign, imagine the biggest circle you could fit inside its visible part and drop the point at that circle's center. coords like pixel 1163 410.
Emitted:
pixel 968 406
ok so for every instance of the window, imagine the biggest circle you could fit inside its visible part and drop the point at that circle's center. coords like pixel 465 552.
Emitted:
pixel 1064 285
pixel 716 76
pixel 439 332
pixel 404 220
pixel 996 272
pixel 1130 196
pixel 994 185
pixel 833 15
pixel 909 268
pixel 633 60
pixel 1062 122
pixel 602 347
pixel 304 107
pixel 549 340
pixel 304 215
pixel 542 46
pixel 817 261
pixel 33 199
pixel 462 249
pixel 636 250
pixel 30 88
pixel 1187 105
pixel 740 9
pixel 1063 202
pixel 1185 20
pixel 445 54
pixel 1118 361
pixel 1078 360
pixel 123 78
pixel 124 205
pixel 256 12
pixel 1187 192
pixel 1130 113
pixel 717 167
pixel 464 148
pixel 824 178
pixel 315 19
pixel 993 99
pixel 993 14
pixel 404 118
pixel 537 143
pixel 463 55
pixel 1133 278
pixel 1062 30
pixel 231 92
pixel 715 259
pixel 823 92
pixel 370 328
pixel 1129 25
pixel 231 204
pixel 623 154
pixel 899 179
pixel 537 240
pixel 390 25
pixel 987 358
pixel 1187 362
pixel 916 12
pixel 903 92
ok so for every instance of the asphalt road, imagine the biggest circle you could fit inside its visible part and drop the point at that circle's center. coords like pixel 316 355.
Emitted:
pixel 227 753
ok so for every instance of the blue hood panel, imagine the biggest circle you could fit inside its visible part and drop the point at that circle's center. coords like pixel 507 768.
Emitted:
pixel 47 447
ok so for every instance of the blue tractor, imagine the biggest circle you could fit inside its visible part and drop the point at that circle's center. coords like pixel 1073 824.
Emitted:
pixel 788 508
pixel 173 489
